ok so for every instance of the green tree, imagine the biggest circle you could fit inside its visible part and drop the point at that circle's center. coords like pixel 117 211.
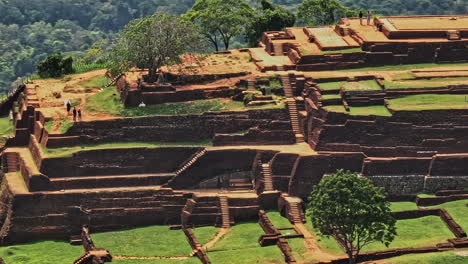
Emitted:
pixel 271 17
pixel 352 210
pixel 322 12
pixel 221 20
pixel 154 41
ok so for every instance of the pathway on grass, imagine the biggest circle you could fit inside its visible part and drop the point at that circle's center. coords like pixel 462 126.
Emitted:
pixel 299 148
pixel 313 250
pixel 219 235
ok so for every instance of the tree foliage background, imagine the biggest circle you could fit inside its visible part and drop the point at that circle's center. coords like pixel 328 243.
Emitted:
pixel 30 30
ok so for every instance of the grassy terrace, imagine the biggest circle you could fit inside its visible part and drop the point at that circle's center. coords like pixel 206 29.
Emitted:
pixel 458 210
pixel 419 232
pixel 35 253
pixel 403 206
pixel 108 102
pixel 431 83
pixel 241 246
pixel 151 241
pixel 405 67
pixel 330 96
pixel 331 85
pixel 430 102
pixel 429 258
pixel 6 129
pixel 377 110
pixel 69 151
pixel 369 85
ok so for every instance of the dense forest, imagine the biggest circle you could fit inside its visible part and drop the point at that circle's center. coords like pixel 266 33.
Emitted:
pixel 32 29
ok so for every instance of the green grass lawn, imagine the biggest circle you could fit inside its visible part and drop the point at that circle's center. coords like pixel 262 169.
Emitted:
pixel 420 232
pixel 6 129
pixel 95 82
pixel 403 206
pixel 429 102
pixel 369 85
pixel 191 260
pixel 205 234
pixel 458 210
pixel 45 252
pixel 69 151
pixel 331 96
pixel 350 50
pixel 151 241
pixel 377 110
pixel 108 101
pixel 241 245
pixel 447 257
pixel 277 220
pixel 431 83
pixel 327 244
pixel 406 67
pixel 331 85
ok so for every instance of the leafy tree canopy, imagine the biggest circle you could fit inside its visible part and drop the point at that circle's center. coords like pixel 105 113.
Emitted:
pixel 323 12
pixel 221 19
pixel 352 210
pixel 154 41
pixel 270 17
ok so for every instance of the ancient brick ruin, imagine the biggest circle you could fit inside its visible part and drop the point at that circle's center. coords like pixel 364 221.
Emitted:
pixel 259 159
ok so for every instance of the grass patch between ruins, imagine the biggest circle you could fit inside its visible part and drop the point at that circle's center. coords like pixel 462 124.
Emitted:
pixel 240 246
pixel 108 101
pixel 43 252
pixel 151 241
pixel 419 232
pixel 458 210
pixel 6 129
pixel 376 110
pixel 403 206
pixel 331 96
pixel 331 86
pixel 69 151
pixel 191 260
pixel 429 102
pixel 443 257
pixel 369 85
pixel 95 82
pixel 405 67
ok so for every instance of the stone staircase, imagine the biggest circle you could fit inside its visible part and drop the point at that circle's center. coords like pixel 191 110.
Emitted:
pixel 292 108
pixel 251 85
pixel 240 184
pixel 267 177
pixel 287 87
pixel 12 162
pixel 223 201
pixel 296 213
pixel 278 49
pixel 453 35
pixel 191 161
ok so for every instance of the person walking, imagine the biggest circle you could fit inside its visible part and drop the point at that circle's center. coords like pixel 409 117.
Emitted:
pixel 68 105
pixel 369 16
pixel 74 114
pixel 10 115
pixel 79 114
pixel 361 15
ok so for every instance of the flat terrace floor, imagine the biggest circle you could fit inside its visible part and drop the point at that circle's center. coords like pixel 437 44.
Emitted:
pixel 371 34
pixel 426 23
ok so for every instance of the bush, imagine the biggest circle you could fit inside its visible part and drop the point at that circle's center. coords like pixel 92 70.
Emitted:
pixel 55 66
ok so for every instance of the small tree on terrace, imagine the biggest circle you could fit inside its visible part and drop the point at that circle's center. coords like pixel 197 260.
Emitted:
pixel 154 41
pixel 353 211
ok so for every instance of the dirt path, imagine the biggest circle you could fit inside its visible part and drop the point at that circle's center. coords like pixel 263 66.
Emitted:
pixel 219 235
pixel 313 249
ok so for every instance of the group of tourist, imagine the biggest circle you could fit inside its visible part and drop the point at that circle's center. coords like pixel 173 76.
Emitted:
pixel 76 113
pixel 369 16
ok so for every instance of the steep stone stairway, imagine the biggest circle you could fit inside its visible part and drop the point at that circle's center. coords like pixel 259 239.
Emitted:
pixel 191 161
pixel 295 212
pixel 251 84
pixel 12 162
pixel 278 49
pixel 202 210
pixel 240 183
pixel 223 201
pixel 292 107
pixel 267 177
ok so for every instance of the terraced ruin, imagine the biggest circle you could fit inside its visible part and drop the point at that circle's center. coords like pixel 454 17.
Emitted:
pixel 216 166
